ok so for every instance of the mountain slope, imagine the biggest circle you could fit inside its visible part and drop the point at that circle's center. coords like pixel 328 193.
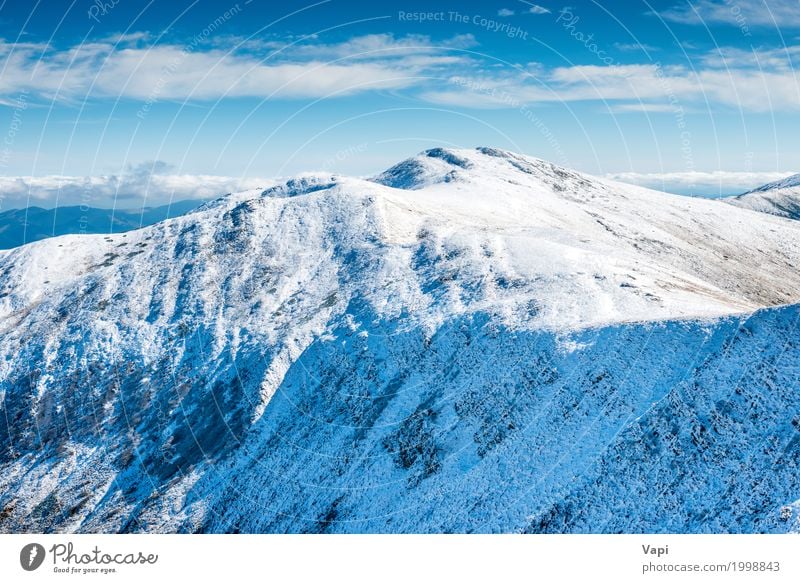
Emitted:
pixel 500 431
pixel 464 343
pixel 781 198
pixel 20 226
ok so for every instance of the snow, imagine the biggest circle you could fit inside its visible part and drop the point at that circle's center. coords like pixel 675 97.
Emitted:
pixel 245 364
pixel 513 228
pixel 780 198
pixel 788 182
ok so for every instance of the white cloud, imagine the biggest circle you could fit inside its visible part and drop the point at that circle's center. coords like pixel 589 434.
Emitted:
pixel 130 69
pixel 505 12
pixel 760 80
pixel 635 47
pixel 739 13
pixel 744 87
pixel 776 59
pixel 719 182
pixel 641 108
pixel 375 46
pixel 126 38
pixel 150 184
pixel 536 9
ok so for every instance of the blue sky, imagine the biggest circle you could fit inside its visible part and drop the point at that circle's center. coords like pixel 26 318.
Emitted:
pixel 143 100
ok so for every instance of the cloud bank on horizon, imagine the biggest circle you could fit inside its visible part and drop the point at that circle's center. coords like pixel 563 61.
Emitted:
pixel 674 91
pixel 145 185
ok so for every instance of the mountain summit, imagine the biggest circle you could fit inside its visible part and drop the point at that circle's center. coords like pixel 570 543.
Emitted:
pixel 473 340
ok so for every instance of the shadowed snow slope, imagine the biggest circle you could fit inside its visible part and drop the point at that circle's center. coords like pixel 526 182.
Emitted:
pixel 781 198
pixel 472 341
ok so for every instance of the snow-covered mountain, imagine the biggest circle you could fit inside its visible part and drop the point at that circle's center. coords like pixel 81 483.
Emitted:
pixel 474 340
pixel 781 198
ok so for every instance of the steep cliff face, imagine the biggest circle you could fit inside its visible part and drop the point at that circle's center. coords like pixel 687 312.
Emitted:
pixel 472 341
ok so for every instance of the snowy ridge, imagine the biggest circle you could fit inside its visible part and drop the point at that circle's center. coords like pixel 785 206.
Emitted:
pixel 429 331
pixel 788 182
pixel 513 229
pixel 780 198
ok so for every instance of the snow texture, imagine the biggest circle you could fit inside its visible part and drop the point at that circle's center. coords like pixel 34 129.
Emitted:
pixel 472 341
pixel 781 198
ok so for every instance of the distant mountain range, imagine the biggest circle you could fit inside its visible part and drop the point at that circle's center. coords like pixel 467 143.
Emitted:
pixel 20 226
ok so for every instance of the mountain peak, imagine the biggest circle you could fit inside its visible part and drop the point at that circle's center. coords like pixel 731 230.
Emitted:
pixel 445 165
pixel 302 184
pixel 425 169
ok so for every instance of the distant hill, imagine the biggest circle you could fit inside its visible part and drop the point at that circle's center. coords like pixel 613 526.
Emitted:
pixel 69 220
pixel 781 198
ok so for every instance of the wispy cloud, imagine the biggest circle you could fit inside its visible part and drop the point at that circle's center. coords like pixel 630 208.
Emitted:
pixel 784 59
pixel 641 108
pixel 132 69
pixel 535 8
pixel 758 80
pixel 740 13
pixel 505 12
pixel 370 46
pixel 766 81
pixel 635 47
